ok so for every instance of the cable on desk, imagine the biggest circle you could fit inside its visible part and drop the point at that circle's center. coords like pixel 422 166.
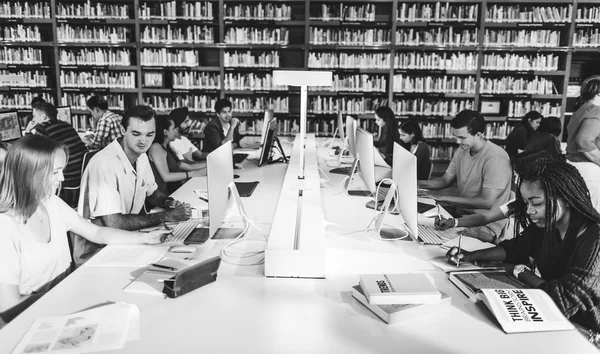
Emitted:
pixel 226 255
pixel 377 213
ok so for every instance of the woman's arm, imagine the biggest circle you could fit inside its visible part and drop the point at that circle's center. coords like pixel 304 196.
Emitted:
pixel 10 296
pixel 185 166
pixel 158 155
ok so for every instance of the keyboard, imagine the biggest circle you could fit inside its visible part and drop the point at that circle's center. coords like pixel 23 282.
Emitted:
pixel 432 236
pixel 239 157
pixel 182 230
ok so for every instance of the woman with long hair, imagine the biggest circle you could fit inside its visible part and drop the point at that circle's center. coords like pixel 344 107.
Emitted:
pixel 168 170
pixel 388 125
pixel 558 250
pixel 518 138
pixel 34 250
pixel 412 136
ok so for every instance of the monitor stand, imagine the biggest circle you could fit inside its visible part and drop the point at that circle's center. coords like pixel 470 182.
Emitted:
pixel 283 158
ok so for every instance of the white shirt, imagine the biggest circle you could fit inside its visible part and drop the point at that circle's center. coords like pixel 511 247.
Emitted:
pixel 27 262
pixel 183 148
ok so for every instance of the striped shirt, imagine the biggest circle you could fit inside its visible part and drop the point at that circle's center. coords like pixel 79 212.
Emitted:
pixel 64 133
pixel 107 130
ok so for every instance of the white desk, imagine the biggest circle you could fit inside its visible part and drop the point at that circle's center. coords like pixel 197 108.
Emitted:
pixel 244 312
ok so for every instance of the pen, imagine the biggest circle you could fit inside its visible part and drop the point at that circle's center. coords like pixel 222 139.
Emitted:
pixel 164 224
pixel 459 242
pixel 439 212
pixel 204 199
pixel 163 266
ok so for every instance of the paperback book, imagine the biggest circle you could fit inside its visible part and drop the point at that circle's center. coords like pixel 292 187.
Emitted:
pixel 391 289
pixel 471 283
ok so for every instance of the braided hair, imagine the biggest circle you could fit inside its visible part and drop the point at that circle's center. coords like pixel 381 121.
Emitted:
pixel 558 180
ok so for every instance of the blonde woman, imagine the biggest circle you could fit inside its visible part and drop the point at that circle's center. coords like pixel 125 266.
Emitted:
pixel 34 251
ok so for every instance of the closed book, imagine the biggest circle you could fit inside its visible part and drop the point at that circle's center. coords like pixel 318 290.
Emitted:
pixel 384 289
pixel 524 310
pixel 400 312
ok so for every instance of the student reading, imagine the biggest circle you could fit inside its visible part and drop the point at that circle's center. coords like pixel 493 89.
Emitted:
pixel 412 136
pixel 222 128
pixel 480 168
pixel 34 251
pixel 561 240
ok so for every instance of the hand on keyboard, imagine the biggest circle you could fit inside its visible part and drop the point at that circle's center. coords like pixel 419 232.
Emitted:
pixel 156 237
pixel 443 223
pixel 180 213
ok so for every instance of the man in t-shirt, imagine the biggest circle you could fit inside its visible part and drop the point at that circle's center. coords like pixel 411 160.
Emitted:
pixel 222 128
pixel 481 170
pixel 182 146
pixel 118 182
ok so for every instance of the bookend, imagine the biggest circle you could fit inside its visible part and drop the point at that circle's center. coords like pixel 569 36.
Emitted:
pixel 279 147
pixel 192 278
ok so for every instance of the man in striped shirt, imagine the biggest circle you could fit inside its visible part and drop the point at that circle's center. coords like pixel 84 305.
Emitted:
pixel 108 125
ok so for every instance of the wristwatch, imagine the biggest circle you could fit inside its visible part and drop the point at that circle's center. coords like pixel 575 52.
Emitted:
pixel 518 269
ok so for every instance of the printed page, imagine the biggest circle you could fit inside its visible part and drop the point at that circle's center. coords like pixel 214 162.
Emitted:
pixel 127 255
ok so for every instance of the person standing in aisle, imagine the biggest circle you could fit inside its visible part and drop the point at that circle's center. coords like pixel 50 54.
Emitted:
pixel 108 124
pixel 388 127
pixel 222 128
pixel 583 140
pixel 518 138
pixel 412 136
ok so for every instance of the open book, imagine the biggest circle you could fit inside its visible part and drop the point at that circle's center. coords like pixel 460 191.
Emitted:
pixel 473 282
pixel 524 310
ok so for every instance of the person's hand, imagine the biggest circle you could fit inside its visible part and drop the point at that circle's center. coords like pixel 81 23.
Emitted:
pixel 443 223
pixel 30 126
pixel 509 268
pixel 453 256
pixel 156 237
pixel 471 232
pixel 424 193
pixel 181 212
pixel 234 122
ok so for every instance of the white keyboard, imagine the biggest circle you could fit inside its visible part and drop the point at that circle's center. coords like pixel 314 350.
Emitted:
pixel 183 230
pixel 433 236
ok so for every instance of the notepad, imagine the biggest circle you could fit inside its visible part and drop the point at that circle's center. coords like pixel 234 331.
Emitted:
pixel 127 255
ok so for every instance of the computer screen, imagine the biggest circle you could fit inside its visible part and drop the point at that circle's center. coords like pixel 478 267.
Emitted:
pixel 269 115
pixel 404 175
pixel 268 143
pixel 351 125
pixel 340 126
pixel 366 163
pixel 64 114
pixel 10 127
pixel 219 173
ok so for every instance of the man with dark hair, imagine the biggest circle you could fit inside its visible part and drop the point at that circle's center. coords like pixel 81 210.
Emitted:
pixel 31 123
pixel 222 128
pixel 480 168
pixel 182 146
pixel 44 114
pixel 108 124
pixel 118 182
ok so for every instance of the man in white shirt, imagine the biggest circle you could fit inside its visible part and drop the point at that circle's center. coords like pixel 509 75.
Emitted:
pixel 118 182
pixel 182 146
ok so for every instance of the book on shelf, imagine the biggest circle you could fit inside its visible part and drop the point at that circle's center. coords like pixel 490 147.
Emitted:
pixel 390 289
pixel 400 312
pixel 524 310
pixel 472 282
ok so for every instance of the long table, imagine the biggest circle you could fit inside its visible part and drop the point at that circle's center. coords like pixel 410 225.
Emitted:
pixel 245 312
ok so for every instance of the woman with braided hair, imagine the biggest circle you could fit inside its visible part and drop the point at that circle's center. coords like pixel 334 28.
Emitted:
pixel 559 248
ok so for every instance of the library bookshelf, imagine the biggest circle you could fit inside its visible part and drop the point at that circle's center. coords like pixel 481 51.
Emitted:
pixel 427 60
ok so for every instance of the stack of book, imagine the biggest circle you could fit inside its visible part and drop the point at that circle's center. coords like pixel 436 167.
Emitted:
pixel 399 297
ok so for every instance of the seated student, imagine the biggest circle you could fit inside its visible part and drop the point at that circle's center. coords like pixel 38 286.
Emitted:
pixel 48 125
pixel 412 136
pixel 561 240
pixel 222 128
pixel 108 124
pixel 182 146
pixel 34 250
pixel 546 137
pixel 168 170
pixel 518 138
pixel 30 128
pixel 118 181
pixel 480 168
pixel 386 120
pixel 497 213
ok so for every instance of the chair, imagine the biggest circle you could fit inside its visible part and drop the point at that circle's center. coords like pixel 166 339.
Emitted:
pixel 71 194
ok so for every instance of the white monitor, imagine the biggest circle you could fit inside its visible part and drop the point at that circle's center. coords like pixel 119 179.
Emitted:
pixel 351 125
pixel 365 152
pixel 10 126
pixel 64 114
pixel 265 151
pixel 269 115
pixel 340 126
pixel 404 175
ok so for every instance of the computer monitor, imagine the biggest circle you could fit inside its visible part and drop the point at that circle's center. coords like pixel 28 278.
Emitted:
pixel 404 175
pixel 10 126
pixel 269 116
pixel 351 125
pixel 340 126
pixel 366 160
pixel 219 177
pixel 267 146
pixel 64 114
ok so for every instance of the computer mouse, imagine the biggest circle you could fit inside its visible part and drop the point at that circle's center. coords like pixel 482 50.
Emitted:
pixel 182 249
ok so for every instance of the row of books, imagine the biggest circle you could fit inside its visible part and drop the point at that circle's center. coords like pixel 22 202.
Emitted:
pixel 356 83
pixel 436 61
pixel 434 84
pixel 522 38
pixel 430 107
pixel 437 36
pixel 520 108
pixel 441 153
pixel 20 33
pixel 347 36
pixel 260 104
pixel 172 10
pixel 197 80
pixel 21 100
pixel 260 11
pixel 82 122
pixel 172 35
pixel 67 33
pixel 586 38
pixel 250 81
pixel 514 85
pixel 525 14
pixel 438 12
pixel 323 60
pixel 253 35
pixel 169 57
pixel 92 10
pixel 20 78
pixel 267 59
pixel 98 79
pixel 520 62
pixel 344 12
pixel 196 103
pixel 24 9
pixel 31 56
pixel 494 130
pixel 153 79
pixel 347 105
pixel 588 14
pixel 77 101
pixel 95 56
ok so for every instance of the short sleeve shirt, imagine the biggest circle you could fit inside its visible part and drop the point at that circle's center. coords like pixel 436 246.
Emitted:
pixel 183 147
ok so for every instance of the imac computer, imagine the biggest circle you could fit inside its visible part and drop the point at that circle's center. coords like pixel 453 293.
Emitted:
pixel 64 114
pixel 349 143
pixel 10 126
pixel 269 116
pixel 365 154
pixel 404 175
pixel 269 144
